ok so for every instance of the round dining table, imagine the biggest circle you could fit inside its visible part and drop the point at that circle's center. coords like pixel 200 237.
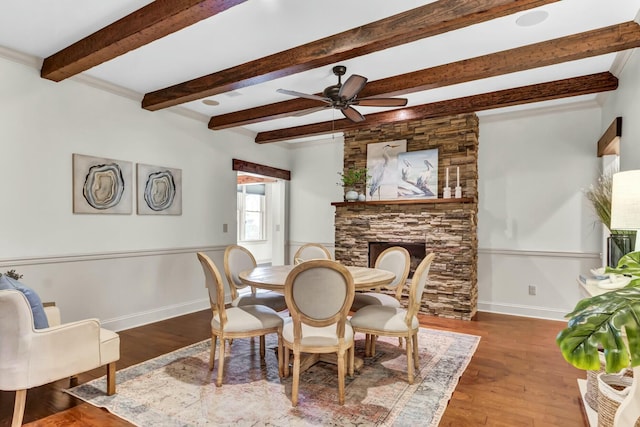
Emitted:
pixel 273 277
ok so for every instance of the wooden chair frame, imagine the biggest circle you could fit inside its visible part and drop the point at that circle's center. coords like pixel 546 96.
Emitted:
pixel 411 334
pixel 343 349
pixel 215 286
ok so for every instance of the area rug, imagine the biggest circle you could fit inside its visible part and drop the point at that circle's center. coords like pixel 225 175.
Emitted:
pixel 177 389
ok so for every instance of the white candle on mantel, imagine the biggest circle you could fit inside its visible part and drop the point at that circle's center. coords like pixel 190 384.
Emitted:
pixel 447 184
pixel 458 176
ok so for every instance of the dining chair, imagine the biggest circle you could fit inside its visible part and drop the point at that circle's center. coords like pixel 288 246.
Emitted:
pixel 375 320
pixel 311 251
pixel 395 259
pixel 234 322
pixel 319 294
pixel 236 260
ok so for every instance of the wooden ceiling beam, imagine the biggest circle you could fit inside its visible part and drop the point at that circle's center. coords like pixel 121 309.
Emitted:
pixel 435 18
pixel 593 83
pixel 601 41
pixel 149 23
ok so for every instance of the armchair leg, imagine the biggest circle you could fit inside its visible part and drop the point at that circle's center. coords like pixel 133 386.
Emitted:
pixel 111 378
pixel 73 381
pixel 18 408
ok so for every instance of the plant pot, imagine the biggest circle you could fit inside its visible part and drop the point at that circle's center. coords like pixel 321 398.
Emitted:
pixel 351 196
pixel 618 245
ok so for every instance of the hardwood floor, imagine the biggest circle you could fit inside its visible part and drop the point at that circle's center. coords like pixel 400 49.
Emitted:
pixel 517 377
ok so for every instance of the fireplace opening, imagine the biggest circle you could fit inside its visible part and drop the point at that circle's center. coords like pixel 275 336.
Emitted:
pixel 417 252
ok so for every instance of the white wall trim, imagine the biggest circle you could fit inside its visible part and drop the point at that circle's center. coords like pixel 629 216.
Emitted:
pixel 155 315
pixel 10 262
pixel 530 253
pixel 522 310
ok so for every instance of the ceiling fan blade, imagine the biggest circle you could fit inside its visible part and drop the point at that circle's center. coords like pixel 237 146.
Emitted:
pixel 352 114
pixel 309 111
pixel 381 102
pixel 352 86
pixel 304 95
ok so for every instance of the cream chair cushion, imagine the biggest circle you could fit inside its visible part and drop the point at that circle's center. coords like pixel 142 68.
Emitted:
pixel 316 336
pixel 363 299
pixel 248 318
pixel 383 318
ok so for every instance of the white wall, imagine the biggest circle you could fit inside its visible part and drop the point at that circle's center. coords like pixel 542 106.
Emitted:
pixel 123 269
pixel 625 103
pixel 535 226
pixel 313 188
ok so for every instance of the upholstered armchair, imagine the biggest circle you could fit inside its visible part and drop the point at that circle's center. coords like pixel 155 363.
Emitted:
pixel 32 357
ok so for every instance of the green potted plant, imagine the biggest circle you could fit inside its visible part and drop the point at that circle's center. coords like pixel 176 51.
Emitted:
pixel 610 322
pixel 620 242
pixel 353 180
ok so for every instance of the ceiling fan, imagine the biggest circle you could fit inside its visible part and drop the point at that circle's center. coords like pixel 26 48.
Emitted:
pixel 344 96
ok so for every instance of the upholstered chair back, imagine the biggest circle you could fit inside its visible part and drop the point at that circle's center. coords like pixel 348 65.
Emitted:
pixel 418 284
pixel 214 284
pixel 396 260
pixel 311 251
pixel 236 260
pixel 319 293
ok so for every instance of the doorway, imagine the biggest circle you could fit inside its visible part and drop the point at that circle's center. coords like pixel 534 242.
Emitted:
pixel 260 217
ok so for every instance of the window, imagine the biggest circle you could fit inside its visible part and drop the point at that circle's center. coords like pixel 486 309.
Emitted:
pixel 251 212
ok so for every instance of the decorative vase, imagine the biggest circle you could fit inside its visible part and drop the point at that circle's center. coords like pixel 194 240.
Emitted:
pixel 351 196
pixel 618 245
pixel 361 197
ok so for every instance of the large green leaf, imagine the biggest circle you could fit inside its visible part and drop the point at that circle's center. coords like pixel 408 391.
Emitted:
pixel 599 321
pixel 628 264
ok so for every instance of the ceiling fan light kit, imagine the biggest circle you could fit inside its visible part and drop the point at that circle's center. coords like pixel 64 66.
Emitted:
pixel 343 96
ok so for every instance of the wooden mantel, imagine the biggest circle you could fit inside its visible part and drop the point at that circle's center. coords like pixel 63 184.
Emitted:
pixel 404 202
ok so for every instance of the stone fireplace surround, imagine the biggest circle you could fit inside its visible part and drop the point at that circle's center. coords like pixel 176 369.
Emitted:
pixel 444 226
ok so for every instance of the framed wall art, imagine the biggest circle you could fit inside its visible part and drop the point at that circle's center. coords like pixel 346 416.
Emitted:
pixel 382 166
pixel 101 186
pixel 159 190
pixel 418 172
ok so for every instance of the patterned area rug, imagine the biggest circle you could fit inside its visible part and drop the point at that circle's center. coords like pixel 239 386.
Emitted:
pixel 177 389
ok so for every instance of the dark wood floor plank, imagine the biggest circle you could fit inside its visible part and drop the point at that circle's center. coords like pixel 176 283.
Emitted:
pixel 517 376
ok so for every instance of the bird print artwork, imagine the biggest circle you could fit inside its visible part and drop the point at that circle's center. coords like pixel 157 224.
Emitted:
pixel 382 163
pixel 418 172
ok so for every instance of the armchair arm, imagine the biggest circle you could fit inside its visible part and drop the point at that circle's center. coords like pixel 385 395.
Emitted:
pixel 64 350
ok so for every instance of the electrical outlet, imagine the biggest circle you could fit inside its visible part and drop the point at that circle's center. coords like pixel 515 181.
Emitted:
pixel 532 289
pixel 225 228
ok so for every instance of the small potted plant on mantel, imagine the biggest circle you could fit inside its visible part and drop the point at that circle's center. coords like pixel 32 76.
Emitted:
pixel 353 180
pixel 611 322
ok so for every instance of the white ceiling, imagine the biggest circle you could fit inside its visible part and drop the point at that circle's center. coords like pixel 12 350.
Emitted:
pixel 257 28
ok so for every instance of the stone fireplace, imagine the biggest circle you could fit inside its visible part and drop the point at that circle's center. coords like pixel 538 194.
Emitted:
pixel 446 227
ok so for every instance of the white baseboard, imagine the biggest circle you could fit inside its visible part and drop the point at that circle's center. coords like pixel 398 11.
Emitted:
pixel 155 315
pixel 523 310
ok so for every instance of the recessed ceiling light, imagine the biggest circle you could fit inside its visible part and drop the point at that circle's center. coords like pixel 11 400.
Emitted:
pixel 532 18
pixel 210 102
